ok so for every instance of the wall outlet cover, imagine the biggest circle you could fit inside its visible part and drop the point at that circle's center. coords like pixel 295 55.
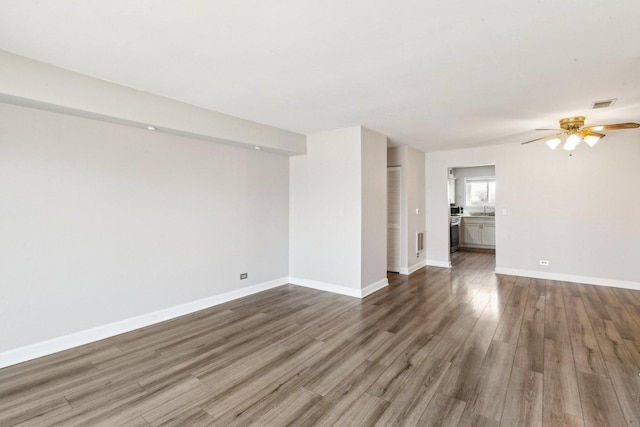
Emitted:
pixel 243 276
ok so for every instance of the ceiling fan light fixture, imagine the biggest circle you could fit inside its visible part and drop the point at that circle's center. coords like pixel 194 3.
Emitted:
pixel 591 140
pixel 553 143
pixel 572 142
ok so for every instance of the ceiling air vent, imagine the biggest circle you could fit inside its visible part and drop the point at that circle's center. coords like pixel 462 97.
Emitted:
pixel 603 104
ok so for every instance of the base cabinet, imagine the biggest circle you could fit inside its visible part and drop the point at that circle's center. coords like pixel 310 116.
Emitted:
pixel 479 232
pixel 472 233
pixel 489 235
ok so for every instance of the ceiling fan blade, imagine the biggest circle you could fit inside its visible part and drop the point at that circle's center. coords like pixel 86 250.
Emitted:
pixel 613 126
pixel 588 132
pixel 544 137
pixel 559 130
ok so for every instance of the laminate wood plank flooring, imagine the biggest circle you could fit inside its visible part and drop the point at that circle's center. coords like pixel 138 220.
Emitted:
pixel 441 347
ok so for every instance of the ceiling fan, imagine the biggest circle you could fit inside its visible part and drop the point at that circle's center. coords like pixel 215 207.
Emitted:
pixel 572 132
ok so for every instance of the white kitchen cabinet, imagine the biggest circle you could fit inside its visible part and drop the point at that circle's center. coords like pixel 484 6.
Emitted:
pixel 472 233
pixel 478 232
pixel 452 191
pixel 489 234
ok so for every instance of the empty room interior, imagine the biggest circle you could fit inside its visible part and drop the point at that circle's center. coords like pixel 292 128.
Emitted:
pixel 319 213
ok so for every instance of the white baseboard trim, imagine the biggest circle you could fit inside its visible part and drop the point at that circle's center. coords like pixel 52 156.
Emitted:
pixel 44 348
pixel 328 287
pixel 374 287
pixel 436 263
pixel 569 278
pixel 415 267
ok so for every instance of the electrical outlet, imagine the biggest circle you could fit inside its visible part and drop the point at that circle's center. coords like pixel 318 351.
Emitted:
pixel 544 262
pixel 418 255
pixel 243 276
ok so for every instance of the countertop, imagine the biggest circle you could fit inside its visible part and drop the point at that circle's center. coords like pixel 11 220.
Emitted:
pixel 473 216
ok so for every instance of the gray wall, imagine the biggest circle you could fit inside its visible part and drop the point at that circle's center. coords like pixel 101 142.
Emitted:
pixel 326 216
pixel 374 207
pixel 338 211
pixel 101 222
pixel 565 209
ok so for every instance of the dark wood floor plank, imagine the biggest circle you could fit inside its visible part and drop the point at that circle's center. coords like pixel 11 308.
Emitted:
pixel 523 405
pixel 443 411
pixel 555 318
pixel 626 324
pixel 410 395
pixel 136 422
pixel 472 419
pixel 626 383
pixel 329 375
pixel 248 408
pixel 289 410
pixel 340 398
pixel 586 353
pixel 612 346
pixel 593 304
pixel 453 339
pixel 607 296
pixel 600 406
pixel 536 301
pixel 561 394
pixel 461 346
pixel 508 329
pixel 460 379
pixel 364 411
pixel 192 418
pixel 409 341
pixel 555 323
pixel 487 398
pixel 530 349
pixel 35 409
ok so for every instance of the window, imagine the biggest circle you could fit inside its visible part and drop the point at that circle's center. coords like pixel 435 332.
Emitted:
pixel 480 191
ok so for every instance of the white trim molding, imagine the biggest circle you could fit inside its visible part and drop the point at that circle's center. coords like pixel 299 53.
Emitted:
pixel 415 267
pixel 613 283
pixel 436 263
pixel 328 287
pixel 374 287
pixel 340 289
pixel 54 345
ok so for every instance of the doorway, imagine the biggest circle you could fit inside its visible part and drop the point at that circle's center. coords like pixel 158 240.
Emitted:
pixel 472 193
pixel 394 217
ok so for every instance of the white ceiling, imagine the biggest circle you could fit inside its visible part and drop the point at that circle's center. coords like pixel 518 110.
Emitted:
pixel 431 74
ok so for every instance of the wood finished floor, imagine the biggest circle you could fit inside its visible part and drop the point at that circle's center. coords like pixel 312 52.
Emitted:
pixel 441 347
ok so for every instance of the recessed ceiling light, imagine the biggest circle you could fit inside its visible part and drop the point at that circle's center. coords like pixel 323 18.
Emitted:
pixel 603 104
pixel 151 128
pixel 257 148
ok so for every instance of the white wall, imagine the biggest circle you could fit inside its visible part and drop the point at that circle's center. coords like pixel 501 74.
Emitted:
pixel 338 212
pixel 374 207
pixel 415 170
pixel 325 209
pixel 101 222
pixel 562 208
pixel 32 83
